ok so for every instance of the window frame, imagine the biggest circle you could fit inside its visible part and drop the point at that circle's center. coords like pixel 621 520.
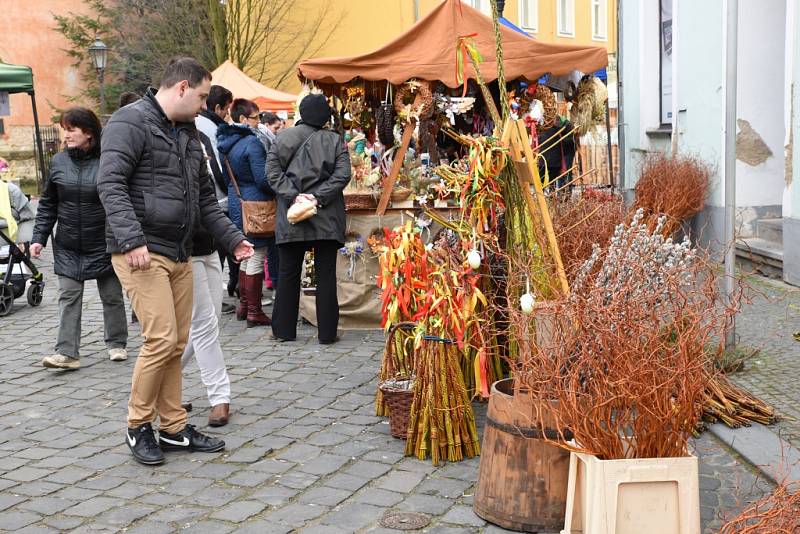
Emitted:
pixel 603 12
pixel 560 17
pixel 534 11
pixel 479 5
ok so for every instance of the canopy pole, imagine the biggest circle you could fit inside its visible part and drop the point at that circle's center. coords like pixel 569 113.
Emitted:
pixel 38 134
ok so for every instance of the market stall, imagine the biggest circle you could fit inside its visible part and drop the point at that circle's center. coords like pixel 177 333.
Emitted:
pixel 241 85
pixel 396 106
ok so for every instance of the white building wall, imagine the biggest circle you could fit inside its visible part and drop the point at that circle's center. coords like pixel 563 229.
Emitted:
pixel 762 44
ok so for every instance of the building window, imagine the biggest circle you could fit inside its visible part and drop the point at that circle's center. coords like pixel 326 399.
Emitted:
pixel 665 36
pixel 484 6
pixel 529 14
pixel 565 15
pixel 600 20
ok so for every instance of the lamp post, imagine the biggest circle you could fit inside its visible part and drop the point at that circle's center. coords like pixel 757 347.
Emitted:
pixel 99 54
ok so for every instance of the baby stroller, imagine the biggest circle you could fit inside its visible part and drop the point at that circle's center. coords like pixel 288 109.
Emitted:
pixel 16 269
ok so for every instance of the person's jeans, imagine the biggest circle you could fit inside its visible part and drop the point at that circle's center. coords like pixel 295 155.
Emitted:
pixel 70 306
pixel 203 341
pixel 273 262
pixel 162 299
pixel 287 297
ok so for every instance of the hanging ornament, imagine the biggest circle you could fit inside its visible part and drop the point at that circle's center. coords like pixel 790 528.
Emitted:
pixel 527 300
pixel 474 259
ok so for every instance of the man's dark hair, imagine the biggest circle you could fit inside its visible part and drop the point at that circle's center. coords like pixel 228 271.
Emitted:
pixel 242 106
pixel 218 96
pixel 128 97
pixel 86 120
pixel 184 68
pixel 269 118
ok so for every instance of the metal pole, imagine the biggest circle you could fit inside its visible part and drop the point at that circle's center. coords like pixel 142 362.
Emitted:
pixel 416 10
pixel 608 146
pixel 620 100
pixel 100 76
pixel 731 43
pixel 39 148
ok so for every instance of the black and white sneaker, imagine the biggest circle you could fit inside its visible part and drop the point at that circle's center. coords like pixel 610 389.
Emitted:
pixel 142 443
pixel 189 439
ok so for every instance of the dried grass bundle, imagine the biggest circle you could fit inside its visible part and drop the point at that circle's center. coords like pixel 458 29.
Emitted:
pixel 589 108
pixel 582 224
pixel 624 356
pixel 777 513
pixel 673 186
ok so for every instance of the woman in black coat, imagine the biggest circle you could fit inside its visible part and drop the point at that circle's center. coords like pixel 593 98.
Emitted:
pixel 79 246
pixel 312 162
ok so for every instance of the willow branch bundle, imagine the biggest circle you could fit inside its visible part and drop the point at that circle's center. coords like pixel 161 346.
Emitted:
pixel 736 407
pixel 672 186
pixel 777 513
pixel 442 422
pixel 582 224
pixel 624 356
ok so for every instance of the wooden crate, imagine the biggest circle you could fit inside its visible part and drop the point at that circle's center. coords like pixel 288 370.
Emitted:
pixel 656 496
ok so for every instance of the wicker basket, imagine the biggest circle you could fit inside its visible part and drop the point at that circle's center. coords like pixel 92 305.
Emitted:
pixel 400 194
pixel 397 400
pixel 359 201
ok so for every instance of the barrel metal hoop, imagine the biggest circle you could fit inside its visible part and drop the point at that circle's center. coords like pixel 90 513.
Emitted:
pixel 534 433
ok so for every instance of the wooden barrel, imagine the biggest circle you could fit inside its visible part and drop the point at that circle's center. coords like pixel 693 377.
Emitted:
pixel 522 479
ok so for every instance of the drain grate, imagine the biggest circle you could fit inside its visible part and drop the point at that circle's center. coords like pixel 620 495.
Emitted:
pixel 405 521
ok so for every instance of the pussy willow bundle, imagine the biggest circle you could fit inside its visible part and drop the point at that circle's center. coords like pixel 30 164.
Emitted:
pixel 624 355
pixel 777 513
pixel 672 186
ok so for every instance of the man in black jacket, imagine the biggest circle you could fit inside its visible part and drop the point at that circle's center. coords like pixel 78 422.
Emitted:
pixel 154 185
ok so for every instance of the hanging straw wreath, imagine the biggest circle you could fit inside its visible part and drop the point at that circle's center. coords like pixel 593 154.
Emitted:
pixel 405 97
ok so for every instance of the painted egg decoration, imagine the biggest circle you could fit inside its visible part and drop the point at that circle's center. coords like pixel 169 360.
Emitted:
pixel 526 303
pixel 474 259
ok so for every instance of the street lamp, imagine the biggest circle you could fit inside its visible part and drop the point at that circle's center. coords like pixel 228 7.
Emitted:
pixel 99 54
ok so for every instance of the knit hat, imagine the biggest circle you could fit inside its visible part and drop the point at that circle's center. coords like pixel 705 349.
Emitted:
pixel 315 111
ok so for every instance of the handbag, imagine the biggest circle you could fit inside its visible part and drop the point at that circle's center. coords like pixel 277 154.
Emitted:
pixel 258 216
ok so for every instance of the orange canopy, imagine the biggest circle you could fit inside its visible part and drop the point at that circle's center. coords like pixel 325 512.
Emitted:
pixel 428 51
pixel 241 85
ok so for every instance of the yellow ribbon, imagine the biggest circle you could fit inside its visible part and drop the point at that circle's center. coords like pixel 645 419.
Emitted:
pixel 6 212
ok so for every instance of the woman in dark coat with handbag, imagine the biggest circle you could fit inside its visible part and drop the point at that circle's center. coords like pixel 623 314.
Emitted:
pixel 309 162
pixel 79 246
pixel 246 156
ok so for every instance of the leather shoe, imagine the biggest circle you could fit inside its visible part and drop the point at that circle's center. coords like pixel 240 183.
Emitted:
pixel 219 415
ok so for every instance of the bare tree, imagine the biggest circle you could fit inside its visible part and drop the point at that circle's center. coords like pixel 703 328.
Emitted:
pixel 267 39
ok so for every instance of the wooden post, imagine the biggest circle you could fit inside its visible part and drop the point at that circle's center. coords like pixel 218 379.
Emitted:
pixel 515 134
pixel 397 164
pixel 522 138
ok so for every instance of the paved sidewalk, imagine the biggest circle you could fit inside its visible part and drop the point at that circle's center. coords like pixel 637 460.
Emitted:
pixel 305 451
pixel 767 324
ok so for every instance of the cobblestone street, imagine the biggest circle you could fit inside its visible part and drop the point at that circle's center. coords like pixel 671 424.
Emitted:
pixel 305 451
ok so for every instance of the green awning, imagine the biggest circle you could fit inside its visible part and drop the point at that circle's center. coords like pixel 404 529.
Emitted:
pixel 15 78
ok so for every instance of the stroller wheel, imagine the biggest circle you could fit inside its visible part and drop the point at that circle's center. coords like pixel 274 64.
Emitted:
pixel 6 299
pixel 35 291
